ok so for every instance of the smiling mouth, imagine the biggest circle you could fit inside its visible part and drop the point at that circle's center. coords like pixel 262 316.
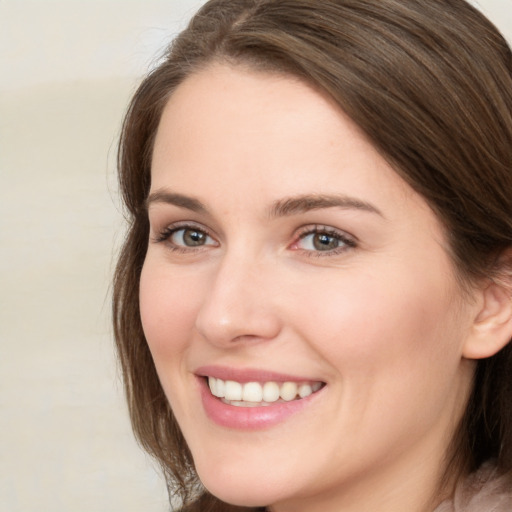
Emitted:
pixel 258 394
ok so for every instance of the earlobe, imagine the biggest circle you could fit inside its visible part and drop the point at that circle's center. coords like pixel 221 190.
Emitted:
pixel 492 327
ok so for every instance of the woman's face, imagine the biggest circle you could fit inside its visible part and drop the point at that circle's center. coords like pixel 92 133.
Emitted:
pixel 288 258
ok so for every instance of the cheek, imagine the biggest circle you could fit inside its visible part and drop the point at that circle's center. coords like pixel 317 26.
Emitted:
pixel 168 309
pixel 374 326
pixel 394 354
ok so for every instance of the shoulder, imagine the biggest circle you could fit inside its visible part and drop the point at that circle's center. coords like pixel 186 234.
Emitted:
pixel 208 503
pixel 486 490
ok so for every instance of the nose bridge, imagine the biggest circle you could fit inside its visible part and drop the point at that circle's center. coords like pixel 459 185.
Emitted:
pixel 238 304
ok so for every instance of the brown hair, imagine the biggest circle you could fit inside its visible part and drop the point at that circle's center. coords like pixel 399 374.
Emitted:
pixel 430 83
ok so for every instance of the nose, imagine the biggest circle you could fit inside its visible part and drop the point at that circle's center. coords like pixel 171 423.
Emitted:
pixel 239 305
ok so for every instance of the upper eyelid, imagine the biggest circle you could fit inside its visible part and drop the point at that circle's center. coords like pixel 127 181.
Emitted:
pixel 174 226
pixel 163 234
pixel 159 224
pixel 321 228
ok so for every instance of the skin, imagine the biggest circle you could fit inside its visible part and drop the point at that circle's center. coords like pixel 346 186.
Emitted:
pixel 380 319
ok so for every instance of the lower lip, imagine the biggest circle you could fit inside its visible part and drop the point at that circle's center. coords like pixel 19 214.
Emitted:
pixel 249 418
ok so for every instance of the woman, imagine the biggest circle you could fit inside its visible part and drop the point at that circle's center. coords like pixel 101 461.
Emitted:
pixel 313 304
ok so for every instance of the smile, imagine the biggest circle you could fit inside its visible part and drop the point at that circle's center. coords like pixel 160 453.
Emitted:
pixel 255 399
pixel 260 394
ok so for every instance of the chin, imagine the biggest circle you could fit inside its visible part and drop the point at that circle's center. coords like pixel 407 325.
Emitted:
pixel 240 486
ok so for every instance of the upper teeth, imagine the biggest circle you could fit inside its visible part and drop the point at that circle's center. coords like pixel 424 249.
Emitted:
pixel 261 392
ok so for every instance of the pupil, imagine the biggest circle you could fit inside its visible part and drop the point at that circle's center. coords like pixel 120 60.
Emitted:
pixel 192 238
pixel 323 242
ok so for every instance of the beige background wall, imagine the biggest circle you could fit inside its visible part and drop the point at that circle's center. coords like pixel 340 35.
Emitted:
pixel 67 69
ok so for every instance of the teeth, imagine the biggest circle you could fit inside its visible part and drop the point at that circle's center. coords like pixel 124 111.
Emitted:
pixel 233 390
pixel 220 388
pixel 252 392
pixel 262 394
pixel 270 392
pixel 305 390
pixel 212 383
pixel 288 391
pixel 316 386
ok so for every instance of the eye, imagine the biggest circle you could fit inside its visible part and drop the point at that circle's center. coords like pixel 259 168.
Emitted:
pixel 189 237
pixel 185 237
pixel 323 239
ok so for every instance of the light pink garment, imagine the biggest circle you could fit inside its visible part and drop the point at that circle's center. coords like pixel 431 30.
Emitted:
pixel 483 491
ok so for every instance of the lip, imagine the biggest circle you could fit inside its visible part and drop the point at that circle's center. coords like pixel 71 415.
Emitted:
pixel 244 375
pixel 249 418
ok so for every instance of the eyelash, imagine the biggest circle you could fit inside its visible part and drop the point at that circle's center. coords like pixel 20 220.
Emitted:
pixel 169 231
pixel 347 241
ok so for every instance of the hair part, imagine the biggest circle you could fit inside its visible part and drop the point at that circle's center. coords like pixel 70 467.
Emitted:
pixel 429 83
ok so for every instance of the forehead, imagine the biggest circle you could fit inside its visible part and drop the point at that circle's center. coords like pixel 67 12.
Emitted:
pixel 250 119
pixel 245 137
pixel 260 102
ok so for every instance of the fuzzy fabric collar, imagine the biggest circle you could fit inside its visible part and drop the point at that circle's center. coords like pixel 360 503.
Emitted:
pixel 483 491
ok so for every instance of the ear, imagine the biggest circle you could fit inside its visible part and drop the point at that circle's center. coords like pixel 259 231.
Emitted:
pixel 492 327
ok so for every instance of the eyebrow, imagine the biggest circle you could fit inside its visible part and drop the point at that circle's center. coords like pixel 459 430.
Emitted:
pixel 308 202
pixel 280 208
pixel 164 196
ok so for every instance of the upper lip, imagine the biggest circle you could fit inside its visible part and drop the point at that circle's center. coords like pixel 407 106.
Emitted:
pixel 244 375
